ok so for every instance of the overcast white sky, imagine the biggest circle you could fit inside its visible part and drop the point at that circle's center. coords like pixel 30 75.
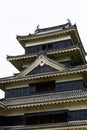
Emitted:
pixel 22 16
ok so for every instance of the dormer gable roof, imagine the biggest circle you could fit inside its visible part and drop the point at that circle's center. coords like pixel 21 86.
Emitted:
pixel 42 60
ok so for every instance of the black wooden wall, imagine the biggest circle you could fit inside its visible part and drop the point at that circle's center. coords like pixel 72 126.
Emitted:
pixel 48 46
pixel 43 118
pixel 57 87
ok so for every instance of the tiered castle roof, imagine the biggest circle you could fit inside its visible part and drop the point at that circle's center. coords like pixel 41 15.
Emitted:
pixel 45 65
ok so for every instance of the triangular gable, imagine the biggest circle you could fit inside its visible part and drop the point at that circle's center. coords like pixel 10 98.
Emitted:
pixel 41 61
pixel 42 69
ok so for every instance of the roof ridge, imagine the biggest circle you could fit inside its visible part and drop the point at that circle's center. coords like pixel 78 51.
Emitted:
pixel 53 27
pixel 39 30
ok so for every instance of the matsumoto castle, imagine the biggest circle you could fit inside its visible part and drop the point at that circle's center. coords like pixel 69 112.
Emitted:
pixel 50 90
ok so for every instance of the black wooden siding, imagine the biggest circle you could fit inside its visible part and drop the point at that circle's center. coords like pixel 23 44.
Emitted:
pixel 42 69
pixel 49 46
pixel 46 68
pixel 70 85
pixel 44 117
pixel 32 89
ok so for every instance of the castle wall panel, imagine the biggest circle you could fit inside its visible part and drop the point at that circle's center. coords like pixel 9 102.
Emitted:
pixel 42 69
pixel 48 46
pixel 44 117
pixel 45 88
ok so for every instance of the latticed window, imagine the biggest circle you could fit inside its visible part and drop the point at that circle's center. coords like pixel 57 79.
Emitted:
pixel 47 118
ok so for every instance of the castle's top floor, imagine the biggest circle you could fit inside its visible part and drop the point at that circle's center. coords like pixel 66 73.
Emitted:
pixel 42 35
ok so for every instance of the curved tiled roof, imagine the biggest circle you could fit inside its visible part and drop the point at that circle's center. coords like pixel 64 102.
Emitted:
pixel 58 97
pixel 43 58
pixel 42 34
pixel 39 31
pixel 14 59
pixel 76 70
pixel 49 52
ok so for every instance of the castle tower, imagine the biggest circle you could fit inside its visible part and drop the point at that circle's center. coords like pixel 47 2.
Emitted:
pixel 50 90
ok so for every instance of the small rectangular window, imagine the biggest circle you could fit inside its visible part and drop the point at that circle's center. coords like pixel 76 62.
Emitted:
pixel 43 87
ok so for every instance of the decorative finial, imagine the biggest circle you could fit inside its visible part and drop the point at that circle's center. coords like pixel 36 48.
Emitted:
pixel 37 29
pixel 38 26
pixel 69 21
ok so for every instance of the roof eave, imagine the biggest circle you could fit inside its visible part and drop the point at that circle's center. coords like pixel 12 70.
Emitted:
pixel 14 59
pixel 45 75
pixel 24 39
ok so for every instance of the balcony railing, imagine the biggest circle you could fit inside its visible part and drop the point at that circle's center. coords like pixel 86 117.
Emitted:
pixel 43 98
pixel 80 123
